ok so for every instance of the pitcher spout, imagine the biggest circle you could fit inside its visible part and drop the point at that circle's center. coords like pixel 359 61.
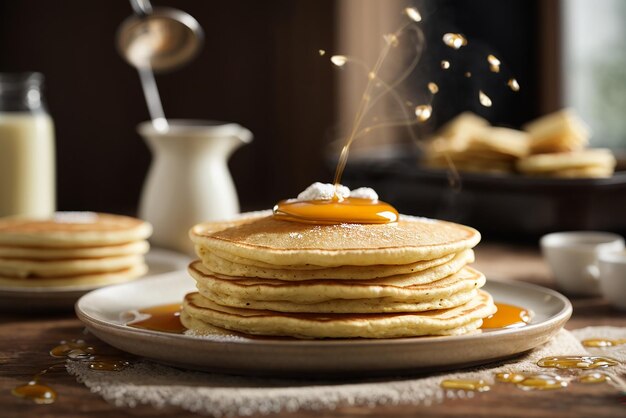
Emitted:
pixel 242 137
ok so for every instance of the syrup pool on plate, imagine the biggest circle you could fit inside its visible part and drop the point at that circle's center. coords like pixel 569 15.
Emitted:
pixel 507 316
pixel 164 318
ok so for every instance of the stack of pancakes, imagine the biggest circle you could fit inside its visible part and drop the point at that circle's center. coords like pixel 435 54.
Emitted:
pixel 471 144
pixel 72 249
pixel 266 276
pixel 551 146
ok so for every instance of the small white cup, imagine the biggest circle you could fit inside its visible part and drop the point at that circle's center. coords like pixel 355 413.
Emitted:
pixel 612 269
pixel 573 258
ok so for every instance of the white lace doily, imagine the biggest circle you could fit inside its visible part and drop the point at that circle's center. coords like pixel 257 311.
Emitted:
pixel 219 395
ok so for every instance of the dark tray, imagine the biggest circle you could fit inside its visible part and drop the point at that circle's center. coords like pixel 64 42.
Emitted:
pixel 499 205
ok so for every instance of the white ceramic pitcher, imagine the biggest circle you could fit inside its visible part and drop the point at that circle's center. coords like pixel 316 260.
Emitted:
pixel 188 181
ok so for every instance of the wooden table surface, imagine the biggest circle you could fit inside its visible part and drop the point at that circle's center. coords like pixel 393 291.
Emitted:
pixel 26 339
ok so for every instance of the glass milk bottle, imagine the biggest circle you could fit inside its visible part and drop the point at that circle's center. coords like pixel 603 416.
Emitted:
pixel 27 167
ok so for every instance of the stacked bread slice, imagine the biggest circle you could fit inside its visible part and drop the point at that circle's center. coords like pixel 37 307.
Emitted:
pixel 261 275
pixel 72 249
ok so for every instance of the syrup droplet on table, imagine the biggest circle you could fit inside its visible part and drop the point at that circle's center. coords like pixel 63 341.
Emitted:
pixel 335 211
pixel 108 364
pixel 507 316
pixel 507 377
pixel 592 378
pixel 532 381
pixel 577 362
pixel 164 318
pixel 603 342
pixel 35 392
pixel 542 382
pixel 464 384
pixel 74 349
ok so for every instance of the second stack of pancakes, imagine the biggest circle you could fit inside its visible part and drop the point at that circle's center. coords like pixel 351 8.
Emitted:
pixel 68 249
pixel 261 275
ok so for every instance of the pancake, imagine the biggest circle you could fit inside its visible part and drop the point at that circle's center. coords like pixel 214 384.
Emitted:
pixel 585 172
pixel 372 305
pixel 223 266
pixel 34 253
pixel 442 282
pixel 458 320
pixel 92 279
pixel 72 229
pixel 463 125
pixel 504 142
pixel 198 327
pixel 65 268
pixel 543 163
pixel 282 243
pixel 556 132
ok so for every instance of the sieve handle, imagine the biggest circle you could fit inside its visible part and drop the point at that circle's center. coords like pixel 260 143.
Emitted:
pixel 141 7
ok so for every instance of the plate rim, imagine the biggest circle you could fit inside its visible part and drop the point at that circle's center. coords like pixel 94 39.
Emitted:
pixel 563 315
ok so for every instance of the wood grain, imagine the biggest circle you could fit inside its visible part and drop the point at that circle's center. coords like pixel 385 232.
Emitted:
pixel 26 339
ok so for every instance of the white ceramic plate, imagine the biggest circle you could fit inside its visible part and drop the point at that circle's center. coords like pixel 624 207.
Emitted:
pixel 13 299
pixel 102 312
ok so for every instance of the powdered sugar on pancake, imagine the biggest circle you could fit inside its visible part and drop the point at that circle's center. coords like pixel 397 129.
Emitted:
pixel 323 191
pixel 75 217
pixel 364 193
pixel 327 191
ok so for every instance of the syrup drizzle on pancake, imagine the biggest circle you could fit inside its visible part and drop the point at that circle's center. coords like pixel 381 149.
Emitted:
pixel 336 211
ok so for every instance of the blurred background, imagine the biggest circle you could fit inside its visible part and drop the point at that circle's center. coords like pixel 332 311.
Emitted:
pixel 260 67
